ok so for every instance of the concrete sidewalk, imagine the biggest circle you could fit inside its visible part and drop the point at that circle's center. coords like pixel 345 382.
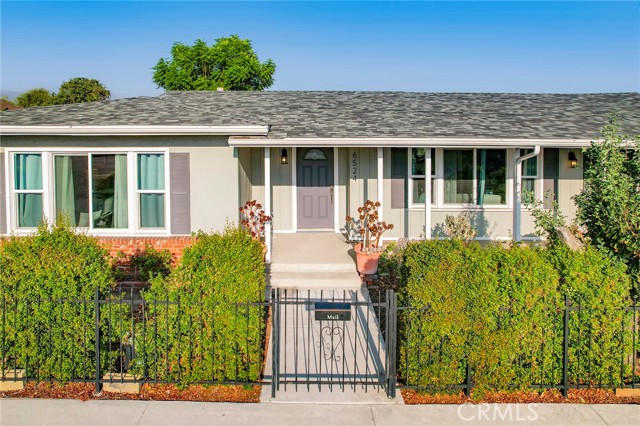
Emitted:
pixel 71 412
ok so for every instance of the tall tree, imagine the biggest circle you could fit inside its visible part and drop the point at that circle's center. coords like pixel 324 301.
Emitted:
pixel 35 97
pixel 230 63
pixel 609 204
pixel 81 89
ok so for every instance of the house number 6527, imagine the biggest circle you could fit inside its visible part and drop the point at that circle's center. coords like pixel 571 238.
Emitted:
pixel 354 166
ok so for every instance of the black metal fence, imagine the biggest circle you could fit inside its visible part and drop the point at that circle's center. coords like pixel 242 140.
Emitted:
pixel 341 339
pixel 573 351
pixel 132 339
pixel 135 339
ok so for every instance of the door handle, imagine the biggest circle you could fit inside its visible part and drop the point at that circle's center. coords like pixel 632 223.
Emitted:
pixel 331 193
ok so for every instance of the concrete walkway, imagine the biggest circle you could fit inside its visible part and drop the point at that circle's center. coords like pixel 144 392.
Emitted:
pixel 347 357
pixel 38 412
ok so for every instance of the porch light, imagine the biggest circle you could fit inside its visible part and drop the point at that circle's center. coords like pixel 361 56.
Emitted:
pixel 573 160
pixel 284 157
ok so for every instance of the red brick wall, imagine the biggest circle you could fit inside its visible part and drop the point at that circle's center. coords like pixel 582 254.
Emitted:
pixel 133 245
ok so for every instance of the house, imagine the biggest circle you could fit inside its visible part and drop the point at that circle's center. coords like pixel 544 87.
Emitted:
pixel 163 167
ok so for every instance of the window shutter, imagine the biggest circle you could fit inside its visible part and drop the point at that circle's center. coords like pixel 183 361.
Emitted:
pixel 398 178
pixel 551 173
pixel 180 198
pixel 3 207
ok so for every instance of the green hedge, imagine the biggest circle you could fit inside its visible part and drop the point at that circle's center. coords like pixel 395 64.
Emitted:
pixel 213 331
pixel 44 280
pixel 501 311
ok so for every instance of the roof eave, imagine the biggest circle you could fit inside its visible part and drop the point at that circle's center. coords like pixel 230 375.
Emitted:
pixel 13 130
pixel 408 142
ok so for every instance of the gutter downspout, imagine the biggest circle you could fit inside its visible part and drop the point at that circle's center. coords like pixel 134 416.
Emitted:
pixel 517 193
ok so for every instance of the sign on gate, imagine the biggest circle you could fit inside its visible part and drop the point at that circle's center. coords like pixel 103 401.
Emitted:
pixel 329 311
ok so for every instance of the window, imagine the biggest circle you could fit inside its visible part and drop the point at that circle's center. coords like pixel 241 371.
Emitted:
pixel 529 172
pixel 99 180
pixel 458 176
pixel 105 190
pixel 28 189
pixel 151 190
pixel 491 175
pixel 418 176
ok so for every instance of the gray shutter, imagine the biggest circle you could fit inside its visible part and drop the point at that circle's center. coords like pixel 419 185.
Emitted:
pixel 180 198
pixel 3 192
pixel 550 176
pixel 398 178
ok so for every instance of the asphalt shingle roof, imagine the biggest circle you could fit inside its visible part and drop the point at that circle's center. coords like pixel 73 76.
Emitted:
pixel 359 114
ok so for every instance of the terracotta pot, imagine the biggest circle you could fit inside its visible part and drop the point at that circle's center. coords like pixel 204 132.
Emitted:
pixel 367 264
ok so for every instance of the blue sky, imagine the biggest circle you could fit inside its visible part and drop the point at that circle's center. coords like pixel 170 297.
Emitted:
pixel 409 46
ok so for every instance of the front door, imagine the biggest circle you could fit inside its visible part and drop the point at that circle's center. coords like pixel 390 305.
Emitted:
pixel 315 188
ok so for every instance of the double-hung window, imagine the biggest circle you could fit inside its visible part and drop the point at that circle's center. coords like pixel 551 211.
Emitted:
pixel 151 190
pixel 28 190
pixel 529 172
pixel 418 176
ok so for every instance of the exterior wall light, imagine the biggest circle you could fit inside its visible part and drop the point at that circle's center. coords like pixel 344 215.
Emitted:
pixel 573 160
pixel 284 157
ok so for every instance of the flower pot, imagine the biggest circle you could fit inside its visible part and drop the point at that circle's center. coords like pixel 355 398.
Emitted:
pixel 367 264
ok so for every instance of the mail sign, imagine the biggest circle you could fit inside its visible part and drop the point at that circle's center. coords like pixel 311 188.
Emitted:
pixel 329 311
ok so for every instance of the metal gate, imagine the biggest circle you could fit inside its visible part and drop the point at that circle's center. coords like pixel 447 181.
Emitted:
pixel 337 339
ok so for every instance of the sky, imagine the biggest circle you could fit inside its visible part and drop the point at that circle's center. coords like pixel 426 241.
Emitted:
pixel 545 47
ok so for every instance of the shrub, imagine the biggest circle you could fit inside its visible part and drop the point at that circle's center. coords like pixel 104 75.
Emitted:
pixel 210 332
pixel 44 278
pixel 501 310
pixel 151 263
pixel 599 283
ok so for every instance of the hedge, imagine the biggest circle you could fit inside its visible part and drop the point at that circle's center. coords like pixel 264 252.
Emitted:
pixel 214 330
pixel 501 310
pixel 44 278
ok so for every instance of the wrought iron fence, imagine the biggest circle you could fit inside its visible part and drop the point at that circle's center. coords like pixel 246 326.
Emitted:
pixel 572 352
pixel 132 339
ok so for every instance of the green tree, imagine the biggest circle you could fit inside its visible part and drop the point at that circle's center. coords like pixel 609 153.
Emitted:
pixel 609 204
pixel 230 63
pixel 81 89
pixel 35 97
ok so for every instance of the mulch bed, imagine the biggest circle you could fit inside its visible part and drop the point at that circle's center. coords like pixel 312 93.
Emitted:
pixel 149 392
pixel 575 396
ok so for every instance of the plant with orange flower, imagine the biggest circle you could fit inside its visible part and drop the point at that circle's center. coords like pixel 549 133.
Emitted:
pixel 368 225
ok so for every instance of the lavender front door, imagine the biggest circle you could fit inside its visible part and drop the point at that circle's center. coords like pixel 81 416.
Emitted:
pixel 315 188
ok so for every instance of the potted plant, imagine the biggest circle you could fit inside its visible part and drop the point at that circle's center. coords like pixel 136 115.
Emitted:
pixel 254 220
pixel 367 229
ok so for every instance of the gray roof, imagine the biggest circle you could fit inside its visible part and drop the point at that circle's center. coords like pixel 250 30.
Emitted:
pixel 359 114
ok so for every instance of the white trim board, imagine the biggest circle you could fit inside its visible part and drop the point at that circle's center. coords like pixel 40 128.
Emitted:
pixel 410 142
pixel 135 130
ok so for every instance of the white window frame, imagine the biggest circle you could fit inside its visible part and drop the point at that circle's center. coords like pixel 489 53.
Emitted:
pixel 438 178
pixel 411 177
pixel 164 192
pixel 537 179
pixel 13 192
pixel 48 178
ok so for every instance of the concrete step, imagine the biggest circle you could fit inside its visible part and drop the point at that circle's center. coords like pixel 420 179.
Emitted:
pixel 310 280
pixel 312 267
